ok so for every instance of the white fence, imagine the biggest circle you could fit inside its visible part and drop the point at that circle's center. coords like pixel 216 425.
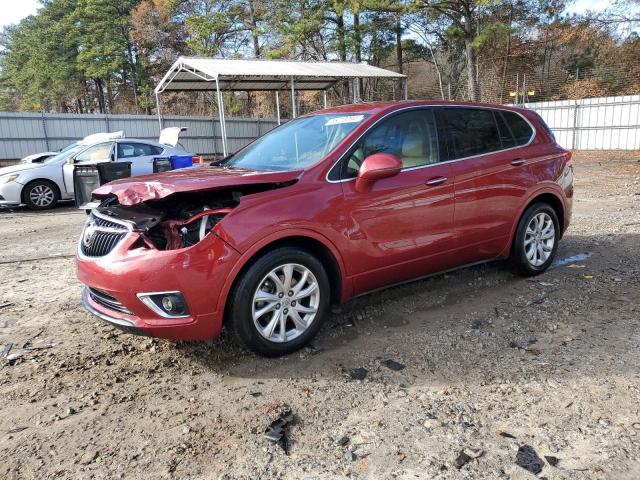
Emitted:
pixel 24 133
pixel 608 123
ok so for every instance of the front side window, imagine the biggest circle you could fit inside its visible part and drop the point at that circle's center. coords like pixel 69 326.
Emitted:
pixel 97 153
pixel 297 144
pixel 471 131
pixel 412 136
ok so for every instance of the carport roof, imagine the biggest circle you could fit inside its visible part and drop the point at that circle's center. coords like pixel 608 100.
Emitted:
pixel 200 74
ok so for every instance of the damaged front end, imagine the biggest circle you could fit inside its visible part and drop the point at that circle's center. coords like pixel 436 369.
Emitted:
pixel 172 223
pixel 178 210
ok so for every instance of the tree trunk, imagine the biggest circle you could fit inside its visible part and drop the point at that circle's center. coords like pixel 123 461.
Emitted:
pixel 357 39
pixel 254 29
pixel 437 67
pixel 399 45
pixel 109 96
pixel 474 87
pixel 506 57
pixel 100 94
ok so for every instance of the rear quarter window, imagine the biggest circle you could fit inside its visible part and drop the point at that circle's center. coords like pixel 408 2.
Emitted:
pixel 519 127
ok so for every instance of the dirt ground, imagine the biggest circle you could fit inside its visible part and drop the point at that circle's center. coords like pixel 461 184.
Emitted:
pixel 506 369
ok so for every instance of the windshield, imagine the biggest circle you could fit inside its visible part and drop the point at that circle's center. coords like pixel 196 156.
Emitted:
pixel 65 154
pixel 70 146
pixel 297 144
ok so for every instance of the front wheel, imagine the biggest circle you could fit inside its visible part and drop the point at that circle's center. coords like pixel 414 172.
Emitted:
pixel 536 240
pixel 40 195
pixel 280 302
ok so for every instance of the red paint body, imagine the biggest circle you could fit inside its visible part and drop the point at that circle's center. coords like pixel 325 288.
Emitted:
pixel 401 227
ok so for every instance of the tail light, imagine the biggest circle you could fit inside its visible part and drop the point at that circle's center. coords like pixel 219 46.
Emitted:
pixel 568 159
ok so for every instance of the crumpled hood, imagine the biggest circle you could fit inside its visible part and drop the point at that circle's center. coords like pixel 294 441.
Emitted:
pixel 131 191
pixel 20 167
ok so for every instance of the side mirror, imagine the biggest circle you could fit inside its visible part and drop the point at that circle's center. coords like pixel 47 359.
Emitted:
pixel 71 160
pixel 376 167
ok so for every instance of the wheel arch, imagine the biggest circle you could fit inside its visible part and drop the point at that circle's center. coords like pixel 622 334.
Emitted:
pixel 47 180
pixel 547 196
pixel 309 241
pixel 552 200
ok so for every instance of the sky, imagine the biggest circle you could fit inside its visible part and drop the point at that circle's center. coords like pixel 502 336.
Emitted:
pixel 15 10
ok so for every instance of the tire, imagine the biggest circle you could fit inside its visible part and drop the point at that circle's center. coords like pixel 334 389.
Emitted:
pixel 257 291
pixel 534 240
pixel 40 195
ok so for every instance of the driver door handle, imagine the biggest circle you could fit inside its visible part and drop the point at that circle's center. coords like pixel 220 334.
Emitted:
pixel 436 181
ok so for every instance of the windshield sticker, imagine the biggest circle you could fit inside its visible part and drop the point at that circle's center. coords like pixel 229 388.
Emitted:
pixel 341 120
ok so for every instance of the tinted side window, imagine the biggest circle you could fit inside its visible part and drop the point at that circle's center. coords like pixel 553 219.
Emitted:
pixel 412 136
pixel 128 150
pixel 521 129
pixel 471 131
pixel 505 132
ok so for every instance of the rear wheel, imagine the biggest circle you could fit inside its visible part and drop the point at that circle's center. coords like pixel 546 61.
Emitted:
pixel 536 241
pixel 40 195
pixel 280 302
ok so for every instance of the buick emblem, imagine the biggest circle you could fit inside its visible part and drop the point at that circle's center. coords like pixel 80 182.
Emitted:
pixel 89 232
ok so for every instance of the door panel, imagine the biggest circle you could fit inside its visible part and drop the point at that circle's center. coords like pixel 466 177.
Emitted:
pixel 490 184
pixel 489 191
pixel 400 227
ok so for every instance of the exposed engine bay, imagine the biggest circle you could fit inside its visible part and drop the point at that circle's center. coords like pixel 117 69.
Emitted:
pixel 180 220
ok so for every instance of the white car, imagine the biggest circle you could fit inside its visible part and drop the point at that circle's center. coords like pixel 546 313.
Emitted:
pixel 41 185
pixel 88 140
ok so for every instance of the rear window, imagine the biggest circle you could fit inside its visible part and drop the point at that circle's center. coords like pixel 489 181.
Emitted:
pixel 520 128
pixel 472 131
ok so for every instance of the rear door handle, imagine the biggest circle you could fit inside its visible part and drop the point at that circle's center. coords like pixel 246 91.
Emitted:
pixel 436 181
pixel 517 162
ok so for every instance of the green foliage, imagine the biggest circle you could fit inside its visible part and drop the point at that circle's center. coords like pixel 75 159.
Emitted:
pixel 40 57
pixel 107 55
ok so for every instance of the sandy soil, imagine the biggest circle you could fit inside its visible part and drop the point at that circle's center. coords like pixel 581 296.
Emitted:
pixel 494 363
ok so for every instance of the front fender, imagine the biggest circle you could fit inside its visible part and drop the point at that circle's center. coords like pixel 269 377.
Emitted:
pixel 248 254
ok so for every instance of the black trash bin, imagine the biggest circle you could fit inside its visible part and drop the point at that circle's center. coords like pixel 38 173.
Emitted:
pixel 86 179
pixel 110 171
pixel 161 164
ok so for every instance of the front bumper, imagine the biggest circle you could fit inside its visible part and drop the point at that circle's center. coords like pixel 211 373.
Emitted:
pixel 198 272
pixel 120 323
pixel 11 194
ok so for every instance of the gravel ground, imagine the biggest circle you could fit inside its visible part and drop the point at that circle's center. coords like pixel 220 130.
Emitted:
pixel 540 372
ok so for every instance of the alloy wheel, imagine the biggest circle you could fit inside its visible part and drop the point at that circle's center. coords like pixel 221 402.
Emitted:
pixel 539 239
pixel 41 195
pixel 286 302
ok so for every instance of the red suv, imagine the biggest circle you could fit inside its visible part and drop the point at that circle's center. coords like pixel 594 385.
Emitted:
pixel 326 207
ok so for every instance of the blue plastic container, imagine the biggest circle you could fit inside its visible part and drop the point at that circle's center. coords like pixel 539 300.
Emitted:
pixel 181 161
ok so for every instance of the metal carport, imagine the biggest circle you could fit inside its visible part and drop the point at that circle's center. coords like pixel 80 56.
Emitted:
pixel 198 74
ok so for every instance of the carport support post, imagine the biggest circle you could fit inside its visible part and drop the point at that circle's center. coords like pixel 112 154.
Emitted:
pixel 324 98
pixel 293 99
pixel 158 110
pixel 405 86
pixel 223 127
pixel 278 106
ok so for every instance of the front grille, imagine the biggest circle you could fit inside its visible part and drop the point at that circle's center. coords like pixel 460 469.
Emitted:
pixel 107 301
pixel 100 236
